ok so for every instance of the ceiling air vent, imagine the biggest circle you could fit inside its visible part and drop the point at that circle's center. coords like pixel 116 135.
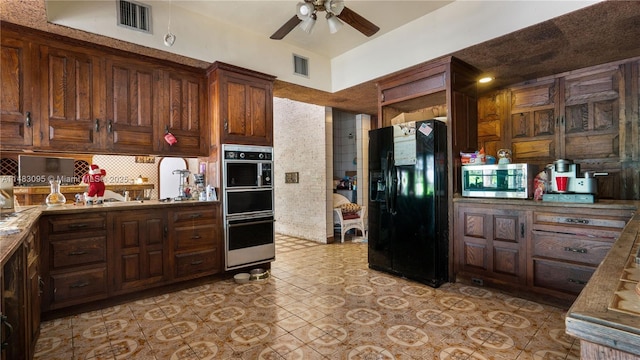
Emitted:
pixel 300 65
pixel 134 15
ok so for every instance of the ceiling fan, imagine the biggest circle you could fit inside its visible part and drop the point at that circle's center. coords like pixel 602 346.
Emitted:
pixel 306 14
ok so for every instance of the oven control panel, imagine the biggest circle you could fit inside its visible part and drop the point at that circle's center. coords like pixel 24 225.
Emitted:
pixel 247 155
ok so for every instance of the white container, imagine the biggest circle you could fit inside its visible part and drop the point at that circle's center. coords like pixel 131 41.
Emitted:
pixel 211 193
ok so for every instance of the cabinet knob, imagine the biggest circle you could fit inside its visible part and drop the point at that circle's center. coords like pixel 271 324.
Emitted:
pixel 27 119
pixel 97 125
pixel 110 126
pixel 226 125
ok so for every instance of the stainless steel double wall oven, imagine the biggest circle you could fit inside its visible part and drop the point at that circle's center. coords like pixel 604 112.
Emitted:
pixel 248 205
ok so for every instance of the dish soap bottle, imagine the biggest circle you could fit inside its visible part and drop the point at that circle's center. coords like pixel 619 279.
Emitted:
pixel 55 198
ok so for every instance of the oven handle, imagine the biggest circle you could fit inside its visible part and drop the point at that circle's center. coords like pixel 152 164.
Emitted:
pixel 250 223
pixel 248 188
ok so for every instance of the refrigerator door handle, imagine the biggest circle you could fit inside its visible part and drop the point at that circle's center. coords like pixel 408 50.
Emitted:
pixel 392 182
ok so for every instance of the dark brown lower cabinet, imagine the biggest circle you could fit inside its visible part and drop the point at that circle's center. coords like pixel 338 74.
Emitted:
pixel 139 240
pixel 96 255
pixel 13 296
pixel 548 250
pixel 491 244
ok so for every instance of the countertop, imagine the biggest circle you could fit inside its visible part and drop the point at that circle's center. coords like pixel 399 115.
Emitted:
pixel 631 205
pixel 14 229
pixel 607 312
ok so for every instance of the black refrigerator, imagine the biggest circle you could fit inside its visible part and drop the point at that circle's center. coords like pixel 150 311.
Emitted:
pixel 408 206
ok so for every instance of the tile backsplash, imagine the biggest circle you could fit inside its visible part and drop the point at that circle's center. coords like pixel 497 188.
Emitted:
pixel 124 170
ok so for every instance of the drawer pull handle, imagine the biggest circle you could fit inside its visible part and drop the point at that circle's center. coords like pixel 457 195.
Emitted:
pixel 77 226
pixel 579 282
pixel 197 262
pixel 575 250
pixel 577 221
pixel 7 336
pixel 196 237
pixel 76 253
pixel 80 285
pixel 193 216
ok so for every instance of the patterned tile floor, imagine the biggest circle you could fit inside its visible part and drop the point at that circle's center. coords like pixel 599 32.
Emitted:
pixel 321 302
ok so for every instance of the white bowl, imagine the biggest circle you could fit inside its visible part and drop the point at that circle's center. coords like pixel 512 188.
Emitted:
pixel 241 278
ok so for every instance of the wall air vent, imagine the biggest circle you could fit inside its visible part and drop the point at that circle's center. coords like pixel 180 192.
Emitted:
pixel 134 15
pixel 300 65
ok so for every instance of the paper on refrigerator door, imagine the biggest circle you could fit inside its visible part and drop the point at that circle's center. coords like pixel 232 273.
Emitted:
pixel 404 144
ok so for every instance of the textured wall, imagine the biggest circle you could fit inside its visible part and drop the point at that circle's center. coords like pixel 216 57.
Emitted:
pixel 300 146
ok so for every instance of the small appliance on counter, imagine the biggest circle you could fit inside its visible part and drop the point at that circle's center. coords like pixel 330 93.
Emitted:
pixel 184 192
pixel 565 184
pixel 514 181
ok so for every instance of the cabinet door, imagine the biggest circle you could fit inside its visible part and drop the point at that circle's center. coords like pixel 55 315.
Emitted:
pixel 491 243
pixel 183 114
pixel 72 102
pixel 533 120
pixel 13 306
pixel 17 107
pixel 248 114
pixel 592 114
pixel 139 249
pixel 132 106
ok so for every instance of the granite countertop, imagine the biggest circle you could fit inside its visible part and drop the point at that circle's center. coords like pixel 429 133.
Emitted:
pixel 600 204
pixel 607 312
pixel 14 229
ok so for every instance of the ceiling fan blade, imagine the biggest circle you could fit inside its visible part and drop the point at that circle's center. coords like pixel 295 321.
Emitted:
pixel 358 22
pixel 286 28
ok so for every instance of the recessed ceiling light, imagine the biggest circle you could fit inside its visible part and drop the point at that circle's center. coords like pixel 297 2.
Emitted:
pixel 485 79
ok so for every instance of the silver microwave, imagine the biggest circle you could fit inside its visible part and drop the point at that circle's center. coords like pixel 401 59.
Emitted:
pixel 498 181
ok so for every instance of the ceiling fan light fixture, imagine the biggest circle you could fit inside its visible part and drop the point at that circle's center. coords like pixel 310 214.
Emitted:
pixel 304 10
pixel 334 23
pixel 334 6
pixel 307 24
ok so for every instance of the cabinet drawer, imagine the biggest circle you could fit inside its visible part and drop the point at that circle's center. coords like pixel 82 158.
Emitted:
pixel 200 213
pixel 78 251
pixel 580 220
pixel 194 236
pixel 560 276
pixel 67 223
pixel 79 285
pixel 570 247
pixel 196 262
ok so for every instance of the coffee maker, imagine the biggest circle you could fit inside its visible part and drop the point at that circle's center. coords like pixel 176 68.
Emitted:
pixel 566 183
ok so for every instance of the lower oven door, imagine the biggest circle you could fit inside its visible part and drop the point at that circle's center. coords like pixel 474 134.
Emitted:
pixel 248 202
pixel 249 241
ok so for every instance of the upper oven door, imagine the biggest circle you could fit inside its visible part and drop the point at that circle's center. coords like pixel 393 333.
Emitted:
pixel 248 201
pixel 241 174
